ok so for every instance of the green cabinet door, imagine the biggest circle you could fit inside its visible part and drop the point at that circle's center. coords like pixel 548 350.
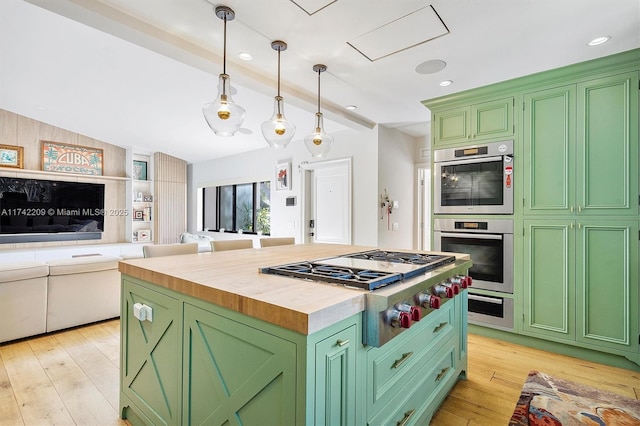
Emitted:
pixel 335 379
pixel 581 282
pixel 235 374
pixel 482 121
pixel 150 365
pixel 549 290
pixel 607 284
pixel 549 150
pixel 581 148
pixel 607 141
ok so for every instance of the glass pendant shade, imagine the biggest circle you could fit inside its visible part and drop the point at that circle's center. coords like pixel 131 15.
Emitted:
pixel 319 142
pixel 223 115
pixel 278 131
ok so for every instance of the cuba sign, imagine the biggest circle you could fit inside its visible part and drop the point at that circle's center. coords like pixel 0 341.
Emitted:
pixel 58 157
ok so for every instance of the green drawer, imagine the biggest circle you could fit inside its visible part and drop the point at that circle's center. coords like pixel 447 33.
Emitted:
pixel 420 388
pixel 386 367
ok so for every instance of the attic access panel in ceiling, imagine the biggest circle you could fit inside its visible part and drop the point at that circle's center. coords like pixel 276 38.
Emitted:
pixel 415 28
pixel 312 6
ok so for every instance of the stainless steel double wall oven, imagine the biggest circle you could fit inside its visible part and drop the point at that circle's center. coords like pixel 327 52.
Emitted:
pixel 477 182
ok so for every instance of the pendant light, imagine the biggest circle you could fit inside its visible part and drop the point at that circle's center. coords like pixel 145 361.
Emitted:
pixel 278 131
pixel 223 115
pixel 318 143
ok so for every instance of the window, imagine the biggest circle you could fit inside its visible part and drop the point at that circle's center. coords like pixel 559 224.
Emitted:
pixel 245 207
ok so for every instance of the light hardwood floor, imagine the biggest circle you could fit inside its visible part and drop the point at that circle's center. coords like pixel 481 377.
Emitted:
pixel 71 377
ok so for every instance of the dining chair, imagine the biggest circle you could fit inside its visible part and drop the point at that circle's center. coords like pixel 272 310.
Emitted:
pixel 277 241
pixel 158 250
pixel 223 245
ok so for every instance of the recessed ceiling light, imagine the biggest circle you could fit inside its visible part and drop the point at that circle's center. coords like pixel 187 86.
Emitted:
pixel 599 40
pixel 41 107
pixel 446 83
pixel 351 107
pixel 430 67
pixel 245 56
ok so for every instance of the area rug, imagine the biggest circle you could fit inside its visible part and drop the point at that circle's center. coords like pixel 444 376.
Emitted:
pixel 547 400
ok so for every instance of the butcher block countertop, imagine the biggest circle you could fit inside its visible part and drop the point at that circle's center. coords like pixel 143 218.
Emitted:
pixel 231 279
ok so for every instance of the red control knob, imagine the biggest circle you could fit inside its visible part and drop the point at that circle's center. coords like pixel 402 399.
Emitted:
pixel 443 291
pixel 416 313
pixel 456 288
pixel 463 280
pixel 399 319
pixel 405 320
pixel 435 302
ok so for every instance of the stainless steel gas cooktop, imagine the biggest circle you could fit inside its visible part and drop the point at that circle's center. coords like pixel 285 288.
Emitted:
pixel 366 270
pixel 387 312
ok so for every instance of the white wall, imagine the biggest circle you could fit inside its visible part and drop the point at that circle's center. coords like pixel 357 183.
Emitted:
pixel 396 174
pixel 361 146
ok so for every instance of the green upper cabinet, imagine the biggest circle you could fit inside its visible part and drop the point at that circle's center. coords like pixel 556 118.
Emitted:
pixel 580 148
pixel 549 150
pixel 608 145
pixel 487 120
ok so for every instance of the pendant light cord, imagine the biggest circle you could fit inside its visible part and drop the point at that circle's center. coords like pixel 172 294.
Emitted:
pixel 279 72
pixel 319 71
pixel 224 49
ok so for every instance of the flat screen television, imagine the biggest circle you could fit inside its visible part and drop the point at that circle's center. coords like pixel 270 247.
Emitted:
pixel 34 210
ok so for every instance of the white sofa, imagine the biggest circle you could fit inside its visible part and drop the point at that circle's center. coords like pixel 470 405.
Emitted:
pixel 23 299
pixel 82 290
pixel 39 297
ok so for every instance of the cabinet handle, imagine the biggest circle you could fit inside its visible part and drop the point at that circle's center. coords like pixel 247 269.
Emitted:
pixel 342 343
pixel 571 225
pixel 441 374
pixel 398 362
pixel 579 209
pixel 571 209
pixel 406 418
pixel 440 326
pixel 579 225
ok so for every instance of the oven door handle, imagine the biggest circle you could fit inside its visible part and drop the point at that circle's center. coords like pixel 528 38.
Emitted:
pixel 471 235
pixel 494 300
pixel 468 160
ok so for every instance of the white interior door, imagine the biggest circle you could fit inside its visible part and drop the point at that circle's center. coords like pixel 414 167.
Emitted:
pixel 327 193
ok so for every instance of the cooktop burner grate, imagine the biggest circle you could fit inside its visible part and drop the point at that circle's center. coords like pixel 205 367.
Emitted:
pixel 366 279
pixel 432 260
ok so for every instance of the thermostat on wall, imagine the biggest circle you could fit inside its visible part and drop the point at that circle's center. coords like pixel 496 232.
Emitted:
pixel 291 201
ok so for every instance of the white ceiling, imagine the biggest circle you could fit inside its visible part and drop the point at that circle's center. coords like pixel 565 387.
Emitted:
pixel 136 73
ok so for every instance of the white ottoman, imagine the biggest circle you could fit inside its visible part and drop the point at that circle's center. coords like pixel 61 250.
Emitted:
pixel 23 299
pixel 82 290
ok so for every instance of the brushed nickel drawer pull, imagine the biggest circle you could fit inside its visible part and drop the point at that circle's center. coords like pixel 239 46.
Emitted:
pixel 342 343
pixel 406 418
pixel 441 374
pixel 440 326
pixel 402 360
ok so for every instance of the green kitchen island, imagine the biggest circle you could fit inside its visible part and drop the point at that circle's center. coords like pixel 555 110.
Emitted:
pixel 206 339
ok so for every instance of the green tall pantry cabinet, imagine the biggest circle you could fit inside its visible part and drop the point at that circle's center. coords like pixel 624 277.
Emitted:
pixel 576 201
pixel 581 168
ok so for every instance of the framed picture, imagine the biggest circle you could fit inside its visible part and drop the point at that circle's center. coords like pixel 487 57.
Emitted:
pixel 139 170
pixel 137 214
pixel 283 176
pixel 11 156
pixel 60 157
pixel 144 234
